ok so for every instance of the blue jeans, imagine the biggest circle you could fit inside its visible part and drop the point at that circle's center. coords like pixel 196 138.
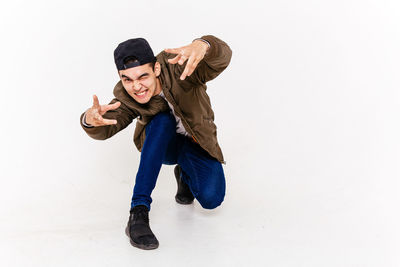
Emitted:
pixel 201 172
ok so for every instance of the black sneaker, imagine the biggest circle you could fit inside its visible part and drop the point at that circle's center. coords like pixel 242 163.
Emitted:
pixel 183 195
pixel 138 229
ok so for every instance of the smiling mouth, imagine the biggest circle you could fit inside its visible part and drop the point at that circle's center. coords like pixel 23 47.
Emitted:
pixel 142 94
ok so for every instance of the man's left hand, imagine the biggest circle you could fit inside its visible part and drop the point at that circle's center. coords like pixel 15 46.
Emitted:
pixel 193 53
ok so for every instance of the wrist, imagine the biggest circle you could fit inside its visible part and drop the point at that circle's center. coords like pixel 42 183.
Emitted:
pixel 88 125
pixel 205 43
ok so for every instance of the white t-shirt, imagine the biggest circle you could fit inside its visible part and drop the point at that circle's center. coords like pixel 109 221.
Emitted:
pixel 179 126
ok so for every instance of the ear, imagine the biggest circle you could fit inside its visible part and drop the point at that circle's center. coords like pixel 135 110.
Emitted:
pixel 157 68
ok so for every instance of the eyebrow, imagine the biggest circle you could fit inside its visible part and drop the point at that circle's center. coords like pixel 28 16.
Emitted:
pixel 124 76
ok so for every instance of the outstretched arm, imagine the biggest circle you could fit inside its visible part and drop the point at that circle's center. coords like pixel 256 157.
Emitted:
pixel 204 62
pixel 103 121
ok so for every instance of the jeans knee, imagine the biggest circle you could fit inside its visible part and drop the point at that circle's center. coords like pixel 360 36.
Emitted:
pixel 210 200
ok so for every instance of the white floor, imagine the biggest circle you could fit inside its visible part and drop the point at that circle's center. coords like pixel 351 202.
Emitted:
pixel 261 223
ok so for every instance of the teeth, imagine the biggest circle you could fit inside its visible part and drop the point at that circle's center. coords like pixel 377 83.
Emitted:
pixel 142 93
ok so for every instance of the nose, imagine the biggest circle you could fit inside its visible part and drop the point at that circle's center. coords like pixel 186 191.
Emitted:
pixel 136 85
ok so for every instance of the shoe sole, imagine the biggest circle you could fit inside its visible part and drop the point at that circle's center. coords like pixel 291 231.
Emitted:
pixel 183 202
pixel 136 245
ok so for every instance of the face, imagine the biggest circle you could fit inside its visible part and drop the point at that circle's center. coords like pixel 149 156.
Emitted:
pixel 141 82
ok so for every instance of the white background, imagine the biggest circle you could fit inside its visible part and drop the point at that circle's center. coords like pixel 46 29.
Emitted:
pixel 307 115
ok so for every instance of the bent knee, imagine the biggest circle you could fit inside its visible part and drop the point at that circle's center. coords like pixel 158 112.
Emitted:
pixel 210 200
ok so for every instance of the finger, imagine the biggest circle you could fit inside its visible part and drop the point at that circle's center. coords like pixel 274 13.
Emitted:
pixel 174 60
pixel 108 122
pixel 194 65
pixel 173 50
pixel 187 68
pixel 182 60
pixel 96 103
pixel 106 108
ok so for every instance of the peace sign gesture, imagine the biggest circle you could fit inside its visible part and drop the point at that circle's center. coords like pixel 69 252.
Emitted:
pixel 95 113
pixel 193 53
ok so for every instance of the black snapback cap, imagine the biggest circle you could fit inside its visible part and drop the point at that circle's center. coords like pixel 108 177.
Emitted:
pixel 138 48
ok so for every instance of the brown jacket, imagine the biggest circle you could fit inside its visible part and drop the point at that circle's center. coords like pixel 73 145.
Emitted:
pixel 188 97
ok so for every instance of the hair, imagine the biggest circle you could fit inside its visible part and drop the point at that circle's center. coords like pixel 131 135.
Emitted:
pixel 132 59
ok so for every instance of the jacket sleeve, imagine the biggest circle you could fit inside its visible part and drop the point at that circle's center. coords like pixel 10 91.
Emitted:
pixel 214 62
pixel 122 114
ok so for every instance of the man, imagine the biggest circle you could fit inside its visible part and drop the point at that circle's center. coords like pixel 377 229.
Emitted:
pixel 175 123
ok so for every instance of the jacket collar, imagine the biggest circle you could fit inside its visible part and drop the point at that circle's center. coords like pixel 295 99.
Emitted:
pixel 165 76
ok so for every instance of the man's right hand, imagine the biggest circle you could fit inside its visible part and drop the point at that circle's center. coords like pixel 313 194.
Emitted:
pixel 95 113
